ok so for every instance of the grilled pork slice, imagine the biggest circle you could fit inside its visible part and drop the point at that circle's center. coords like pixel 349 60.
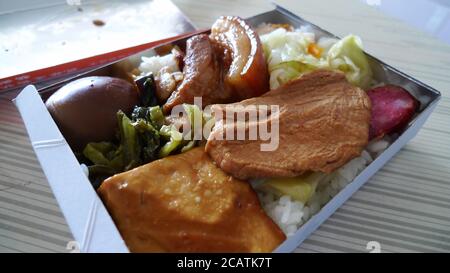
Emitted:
pixel 184 203
pixel 323 123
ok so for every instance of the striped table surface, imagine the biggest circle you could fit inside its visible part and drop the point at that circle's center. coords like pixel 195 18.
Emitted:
pixel 405 206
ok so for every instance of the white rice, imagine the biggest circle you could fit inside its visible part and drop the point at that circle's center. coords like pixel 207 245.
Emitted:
pixel 376 147
pixel 290 214
pixel 156 63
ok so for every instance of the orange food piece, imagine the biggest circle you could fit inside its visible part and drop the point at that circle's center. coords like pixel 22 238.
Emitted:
pixel 185 203
pixel 315 50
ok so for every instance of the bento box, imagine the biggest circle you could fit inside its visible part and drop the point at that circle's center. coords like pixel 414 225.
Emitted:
pixel 89 221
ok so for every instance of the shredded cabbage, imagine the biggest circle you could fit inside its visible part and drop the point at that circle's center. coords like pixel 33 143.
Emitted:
pixel 288 56
pixel 347 55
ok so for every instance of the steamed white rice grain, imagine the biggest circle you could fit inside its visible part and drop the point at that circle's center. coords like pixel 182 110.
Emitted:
pixel 290 214
pixel 154 64
pixel 375 147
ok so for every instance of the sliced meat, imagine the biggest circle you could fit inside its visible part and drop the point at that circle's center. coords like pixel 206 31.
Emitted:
pixel 166 82
pixel 323 123
pixel 227 66
pixel 392 108
pixel 203 76
pixel 242 55
pixel 184 203
pixel 179 56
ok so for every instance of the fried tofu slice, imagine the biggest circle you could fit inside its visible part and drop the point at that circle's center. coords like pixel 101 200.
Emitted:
pixel 184 203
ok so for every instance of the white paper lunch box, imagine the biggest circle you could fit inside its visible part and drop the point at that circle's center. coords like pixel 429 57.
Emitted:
pixel 88 219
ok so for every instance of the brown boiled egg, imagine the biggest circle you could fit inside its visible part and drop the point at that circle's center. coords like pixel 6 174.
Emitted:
pixel 85 109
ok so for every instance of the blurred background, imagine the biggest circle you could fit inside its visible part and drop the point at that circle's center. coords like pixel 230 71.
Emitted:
pixel 48 32
pixel 43 33
pixel 432 16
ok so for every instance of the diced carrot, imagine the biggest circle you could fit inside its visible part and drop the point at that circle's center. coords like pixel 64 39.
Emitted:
pixel 315 50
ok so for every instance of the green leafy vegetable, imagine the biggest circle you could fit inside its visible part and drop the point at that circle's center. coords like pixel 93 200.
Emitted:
pixel 104 154
pixel 174 137
pixel 140 140
pixel 156 116
pixel 98 152
pixel 196 120
pixel 138 143
pixel 147 88
pixel 153 115
pixel 107 158
pixel 129 141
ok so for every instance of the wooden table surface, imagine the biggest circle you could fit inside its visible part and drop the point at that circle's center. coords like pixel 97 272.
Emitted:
pixel 405 206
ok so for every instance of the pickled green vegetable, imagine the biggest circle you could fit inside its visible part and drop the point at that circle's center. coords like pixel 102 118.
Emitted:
pixel 174 138
pixel 129 141
pixel 140 140
pixel 147 87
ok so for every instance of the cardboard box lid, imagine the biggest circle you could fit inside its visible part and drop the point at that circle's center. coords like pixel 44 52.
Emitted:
pixel 89 222
pixel 48 34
